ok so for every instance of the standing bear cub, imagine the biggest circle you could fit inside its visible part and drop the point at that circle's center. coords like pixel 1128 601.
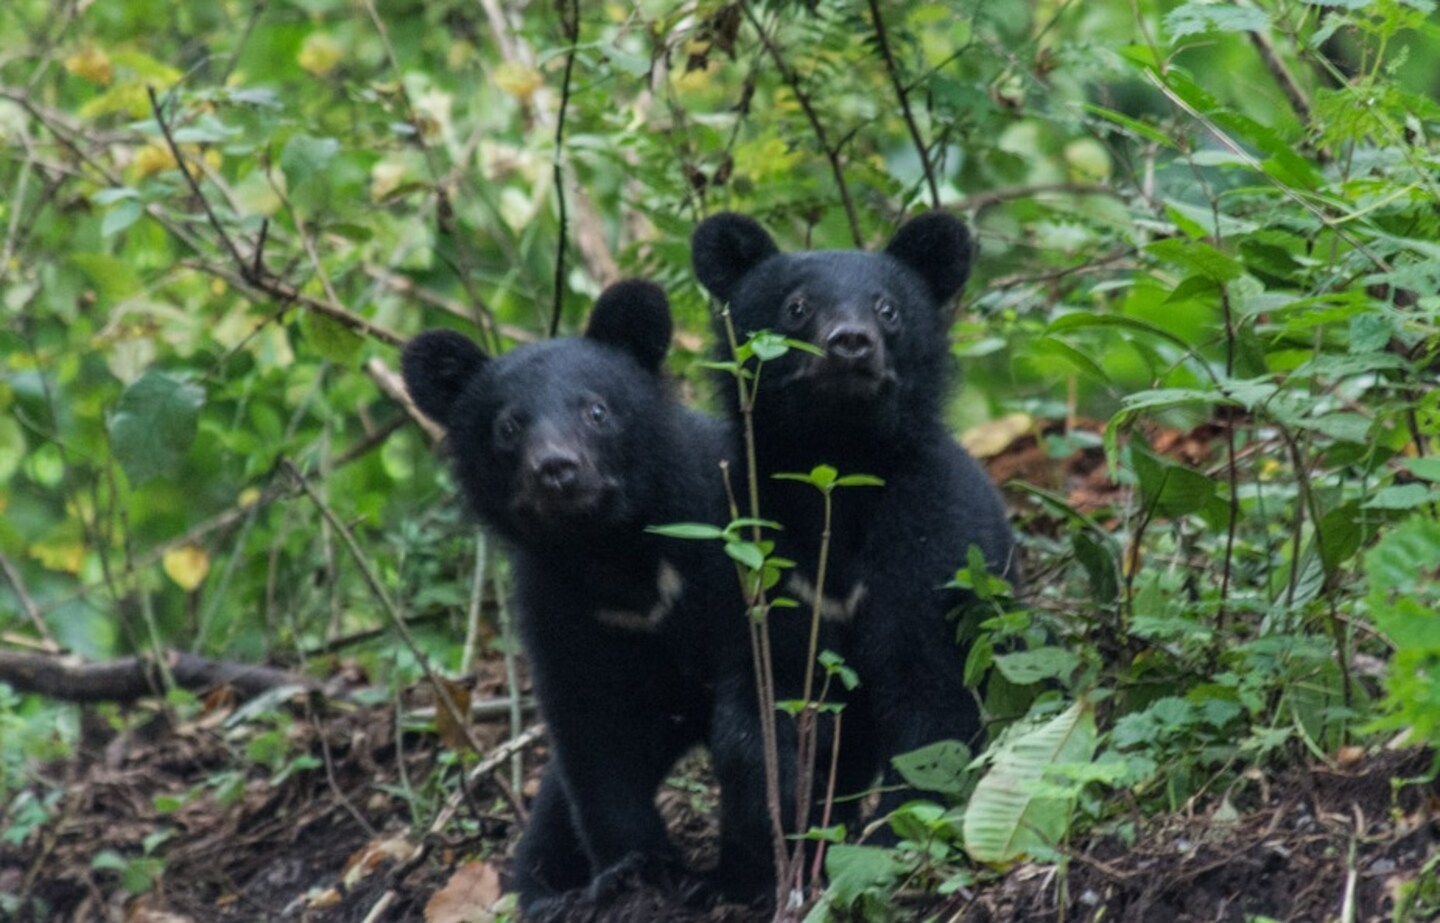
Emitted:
pixel 867 401
pixel 567 450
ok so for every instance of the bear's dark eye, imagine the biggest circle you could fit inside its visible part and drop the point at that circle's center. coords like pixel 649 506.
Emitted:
pixel 596 413
pixel 885 309
pixel 797 308
pixel 507 431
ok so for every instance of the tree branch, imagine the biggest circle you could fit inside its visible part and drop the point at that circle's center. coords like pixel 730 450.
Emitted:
pixel 894 73
pixel 570 23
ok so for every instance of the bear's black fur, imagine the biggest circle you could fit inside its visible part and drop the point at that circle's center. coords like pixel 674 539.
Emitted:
pixel 567 450
pixel 870 403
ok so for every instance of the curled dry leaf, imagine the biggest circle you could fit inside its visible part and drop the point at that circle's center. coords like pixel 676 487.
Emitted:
pixel 468 897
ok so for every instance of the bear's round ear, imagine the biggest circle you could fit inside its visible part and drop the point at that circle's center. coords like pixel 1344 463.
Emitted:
pixel 634 315
pixel 724 248
pixel 436 366
pixel 939 248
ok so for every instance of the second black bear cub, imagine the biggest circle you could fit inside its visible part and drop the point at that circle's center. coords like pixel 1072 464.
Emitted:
pixel 870 403
pixel 567 450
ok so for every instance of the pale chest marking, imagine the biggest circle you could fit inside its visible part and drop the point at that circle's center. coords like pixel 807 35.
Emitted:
pixel 668 587
pixel 831 609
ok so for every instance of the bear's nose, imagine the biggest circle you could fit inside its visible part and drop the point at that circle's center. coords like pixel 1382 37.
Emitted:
pixel 557 470
pixel 850 341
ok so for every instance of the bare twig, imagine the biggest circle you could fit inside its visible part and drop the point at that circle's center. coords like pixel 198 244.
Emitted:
pixel 570 23
pixel 893 72
pixel 32 611
pixel 393 385
pixel 194 183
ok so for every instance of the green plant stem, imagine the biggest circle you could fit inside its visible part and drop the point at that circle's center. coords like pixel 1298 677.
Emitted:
pixel 757 617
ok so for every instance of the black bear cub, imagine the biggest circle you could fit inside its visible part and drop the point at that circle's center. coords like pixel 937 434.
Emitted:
pixel 869 402
pixel 567 450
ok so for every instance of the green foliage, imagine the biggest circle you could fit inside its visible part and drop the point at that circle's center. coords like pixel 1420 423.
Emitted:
pixel 1404 601
pixel 1012 815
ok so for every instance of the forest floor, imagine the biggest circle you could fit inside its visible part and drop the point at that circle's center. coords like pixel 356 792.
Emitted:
pixel 335 842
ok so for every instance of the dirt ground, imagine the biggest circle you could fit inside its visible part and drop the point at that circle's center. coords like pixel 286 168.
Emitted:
pixel 333 839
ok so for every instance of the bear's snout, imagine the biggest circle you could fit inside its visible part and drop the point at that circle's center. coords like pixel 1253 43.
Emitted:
pixel 851 342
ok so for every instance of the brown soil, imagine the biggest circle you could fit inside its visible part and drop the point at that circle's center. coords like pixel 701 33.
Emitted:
pixel 330 842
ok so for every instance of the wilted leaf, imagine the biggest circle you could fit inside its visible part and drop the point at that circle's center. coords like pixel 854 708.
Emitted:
pixel 467 897
pixel 453 735
pixel 187 566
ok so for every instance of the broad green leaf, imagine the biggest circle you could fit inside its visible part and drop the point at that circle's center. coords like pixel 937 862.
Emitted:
pixel 1008 819
pixel 1026 668
pixel 1402 497
pixel 937 767
pixel 746 553
pixel 154 424
pixel 121 217
pixel 305 157
pixel 1198 18
pixel 1197 256
pixel 1169 488
pixel 330 338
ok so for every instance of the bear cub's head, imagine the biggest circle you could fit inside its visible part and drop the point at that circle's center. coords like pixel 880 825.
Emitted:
pixel 877 320
pixel 554 441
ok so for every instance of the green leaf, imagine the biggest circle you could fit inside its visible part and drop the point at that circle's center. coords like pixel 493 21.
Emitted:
pixel 1402 497
pixel 855 870
pixel 697 530
pixel 331 339
pixel 747 553
pixel 859 480
pixel 1137 127
pixel 1171 489
pixel 1198 18
pixel 154 424
pixel 937 767
pixel 115 279
pixel 1197 256
pixel 305 157
pixel 1025 668
pixel 121 217
pixel 1007 818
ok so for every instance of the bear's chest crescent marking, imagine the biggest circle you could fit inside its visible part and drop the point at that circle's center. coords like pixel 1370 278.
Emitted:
pixel 668 587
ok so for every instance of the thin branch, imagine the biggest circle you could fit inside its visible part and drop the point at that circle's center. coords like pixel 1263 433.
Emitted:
pixel 832 152
pixel 894 73
pixel 32 611
pixel 284 293
pixel 570 23
pixel 194 183
pixel 405 286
